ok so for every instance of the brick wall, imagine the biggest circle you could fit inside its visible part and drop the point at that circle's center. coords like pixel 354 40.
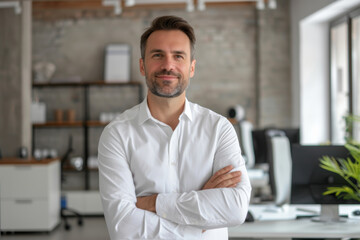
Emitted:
pixel 242 58
pixel 225 51
pixel 10 83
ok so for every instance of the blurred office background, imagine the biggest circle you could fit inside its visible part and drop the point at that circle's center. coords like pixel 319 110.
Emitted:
pixel 270 57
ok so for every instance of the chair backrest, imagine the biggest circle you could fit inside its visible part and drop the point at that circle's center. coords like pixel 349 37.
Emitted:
pixel 280 165
pixel 246 142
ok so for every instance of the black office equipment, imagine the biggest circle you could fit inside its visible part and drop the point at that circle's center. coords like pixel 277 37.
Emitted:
pixel 261 147
pixel 249 217
pixel 64 207
pixel 356 212
pixel 310 181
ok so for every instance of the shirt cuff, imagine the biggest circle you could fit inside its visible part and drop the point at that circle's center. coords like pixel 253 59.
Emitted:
pixel 165 203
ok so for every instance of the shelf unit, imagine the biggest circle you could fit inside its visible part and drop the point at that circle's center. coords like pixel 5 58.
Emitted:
pixel 86 123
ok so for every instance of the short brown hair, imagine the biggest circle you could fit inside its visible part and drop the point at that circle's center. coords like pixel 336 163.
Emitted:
pixel 168 23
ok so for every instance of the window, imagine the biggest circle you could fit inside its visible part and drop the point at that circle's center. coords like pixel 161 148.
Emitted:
pixel 344 75
pixel 356 74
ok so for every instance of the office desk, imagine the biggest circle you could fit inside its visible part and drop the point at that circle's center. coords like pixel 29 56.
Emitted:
pixel 288 227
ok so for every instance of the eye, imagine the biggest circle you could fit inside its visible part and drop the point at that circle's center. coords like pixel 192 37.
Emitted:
pixel 178 56
pixel 156 55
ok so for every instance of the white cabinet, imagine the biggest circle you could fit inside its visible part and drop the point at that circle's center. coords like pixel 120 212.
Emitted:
pixel 29 195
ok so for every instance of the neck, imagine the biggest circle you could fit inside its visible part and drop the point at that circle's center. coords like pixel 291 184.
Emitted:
pixel 166 110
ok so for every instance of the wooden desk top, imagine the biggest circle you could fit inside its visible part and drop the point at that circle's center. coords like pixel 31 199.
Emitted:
pixel 14 160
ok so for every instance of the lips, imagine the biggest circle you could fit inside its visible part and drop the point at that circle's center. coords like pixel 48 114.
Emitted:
pixel 167 77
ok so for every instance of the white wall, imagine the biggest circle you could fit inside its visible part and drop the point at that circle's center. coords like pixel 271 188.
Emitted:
pixel 299 9
pixel 313 85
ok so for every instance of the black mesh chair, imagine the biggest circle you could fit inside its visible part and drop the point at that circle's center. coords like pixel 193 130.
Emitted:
pixel 66 212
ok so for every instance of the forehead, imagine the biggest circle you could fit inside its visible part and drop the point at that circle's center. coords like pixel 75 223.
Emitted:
pixel 168 40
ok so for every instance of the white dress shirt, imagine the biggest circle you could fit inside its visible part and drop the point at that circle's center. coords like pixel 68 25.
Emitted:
pixel 140 156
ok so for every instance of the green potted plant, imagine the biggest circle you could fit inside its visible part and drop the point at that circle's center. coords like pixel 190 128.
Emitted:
pixel 349 168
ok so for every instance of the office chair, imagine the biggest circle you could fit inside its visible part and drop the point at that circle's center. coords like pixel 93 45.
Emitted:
pixel 280 165
pixel 246 142
pixel 64 207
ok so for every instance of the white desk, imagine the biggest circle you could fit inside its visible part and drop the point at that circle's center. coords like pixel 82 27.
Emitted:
pixel 285 226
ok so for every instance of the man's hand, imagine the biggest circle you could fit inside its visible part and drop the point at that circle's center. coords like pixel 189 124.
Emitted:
pixel 147 203
pixel 223 179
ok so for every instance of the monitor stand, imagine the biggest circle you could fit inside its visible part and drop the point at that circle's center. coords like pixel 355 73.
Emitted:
pixel 329 213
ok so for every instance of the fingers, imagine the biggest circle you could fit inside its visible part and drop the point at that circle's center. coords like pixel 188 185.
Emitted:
pixel 224 178
pixel 227 179
pixel 223 171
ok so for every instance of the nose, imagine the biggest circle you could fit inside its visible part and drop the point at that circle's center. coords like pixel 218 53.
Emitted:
pixel 167 64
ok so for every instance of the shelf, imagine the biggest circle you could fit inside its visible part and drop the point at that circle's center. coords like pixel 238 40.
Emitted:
pixel 95 123
pixel 86 123
pixel 74 84
pixel 58 124
pixel 27 161
pixel 71 169
pixel 92 123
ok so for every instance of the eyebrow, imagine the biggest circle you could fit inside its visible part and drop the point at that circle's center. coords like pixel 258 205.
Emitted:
pixel 174 52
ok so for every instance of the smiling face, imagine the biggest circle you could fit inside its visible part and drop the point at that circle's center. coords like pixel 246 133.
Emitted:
pixel 167 65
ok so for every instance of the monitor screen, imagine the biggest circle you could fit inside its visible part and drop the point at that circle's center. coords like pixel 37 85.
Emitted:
pixel 309 180
pixel 260 142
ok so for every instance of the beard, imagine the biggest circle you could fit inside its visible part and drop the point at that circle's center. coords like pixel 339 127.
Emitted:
pixel 163 88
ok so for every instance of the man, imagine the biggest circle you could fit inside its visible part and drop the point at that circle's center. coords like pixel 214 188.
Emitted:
pixel 170 169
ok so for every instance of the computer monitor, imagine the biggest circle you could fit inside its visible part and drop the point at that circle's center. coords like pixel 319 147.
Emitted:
pixel 261 146
pixel 293 135
pixel 259 143
pixel 310 181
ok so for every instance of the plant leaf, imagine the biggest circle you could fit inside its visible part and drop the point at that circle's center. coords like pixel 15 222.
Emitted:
pixel 341 192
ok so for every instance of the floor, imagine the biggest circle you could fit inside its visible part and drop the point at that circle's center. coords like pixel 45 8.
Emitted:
pixel 94 228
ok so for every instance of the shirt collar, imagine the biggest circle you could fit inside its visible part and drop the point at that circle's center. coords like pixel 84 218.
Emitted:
pixel 187 110
pixel 144 111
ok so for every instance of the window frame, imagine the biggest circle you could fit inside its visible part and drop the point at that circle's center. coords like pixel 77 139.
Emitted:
pixel 345 18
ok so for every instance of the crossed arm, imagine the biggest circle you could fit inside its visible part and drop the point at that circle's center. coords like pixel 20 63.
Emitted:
pixel 221 202
pixel 223 178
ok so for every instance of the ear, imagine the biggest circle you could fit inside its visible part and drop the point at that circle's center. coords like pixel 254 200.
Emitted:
pixel 142 67
pixel 192 68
